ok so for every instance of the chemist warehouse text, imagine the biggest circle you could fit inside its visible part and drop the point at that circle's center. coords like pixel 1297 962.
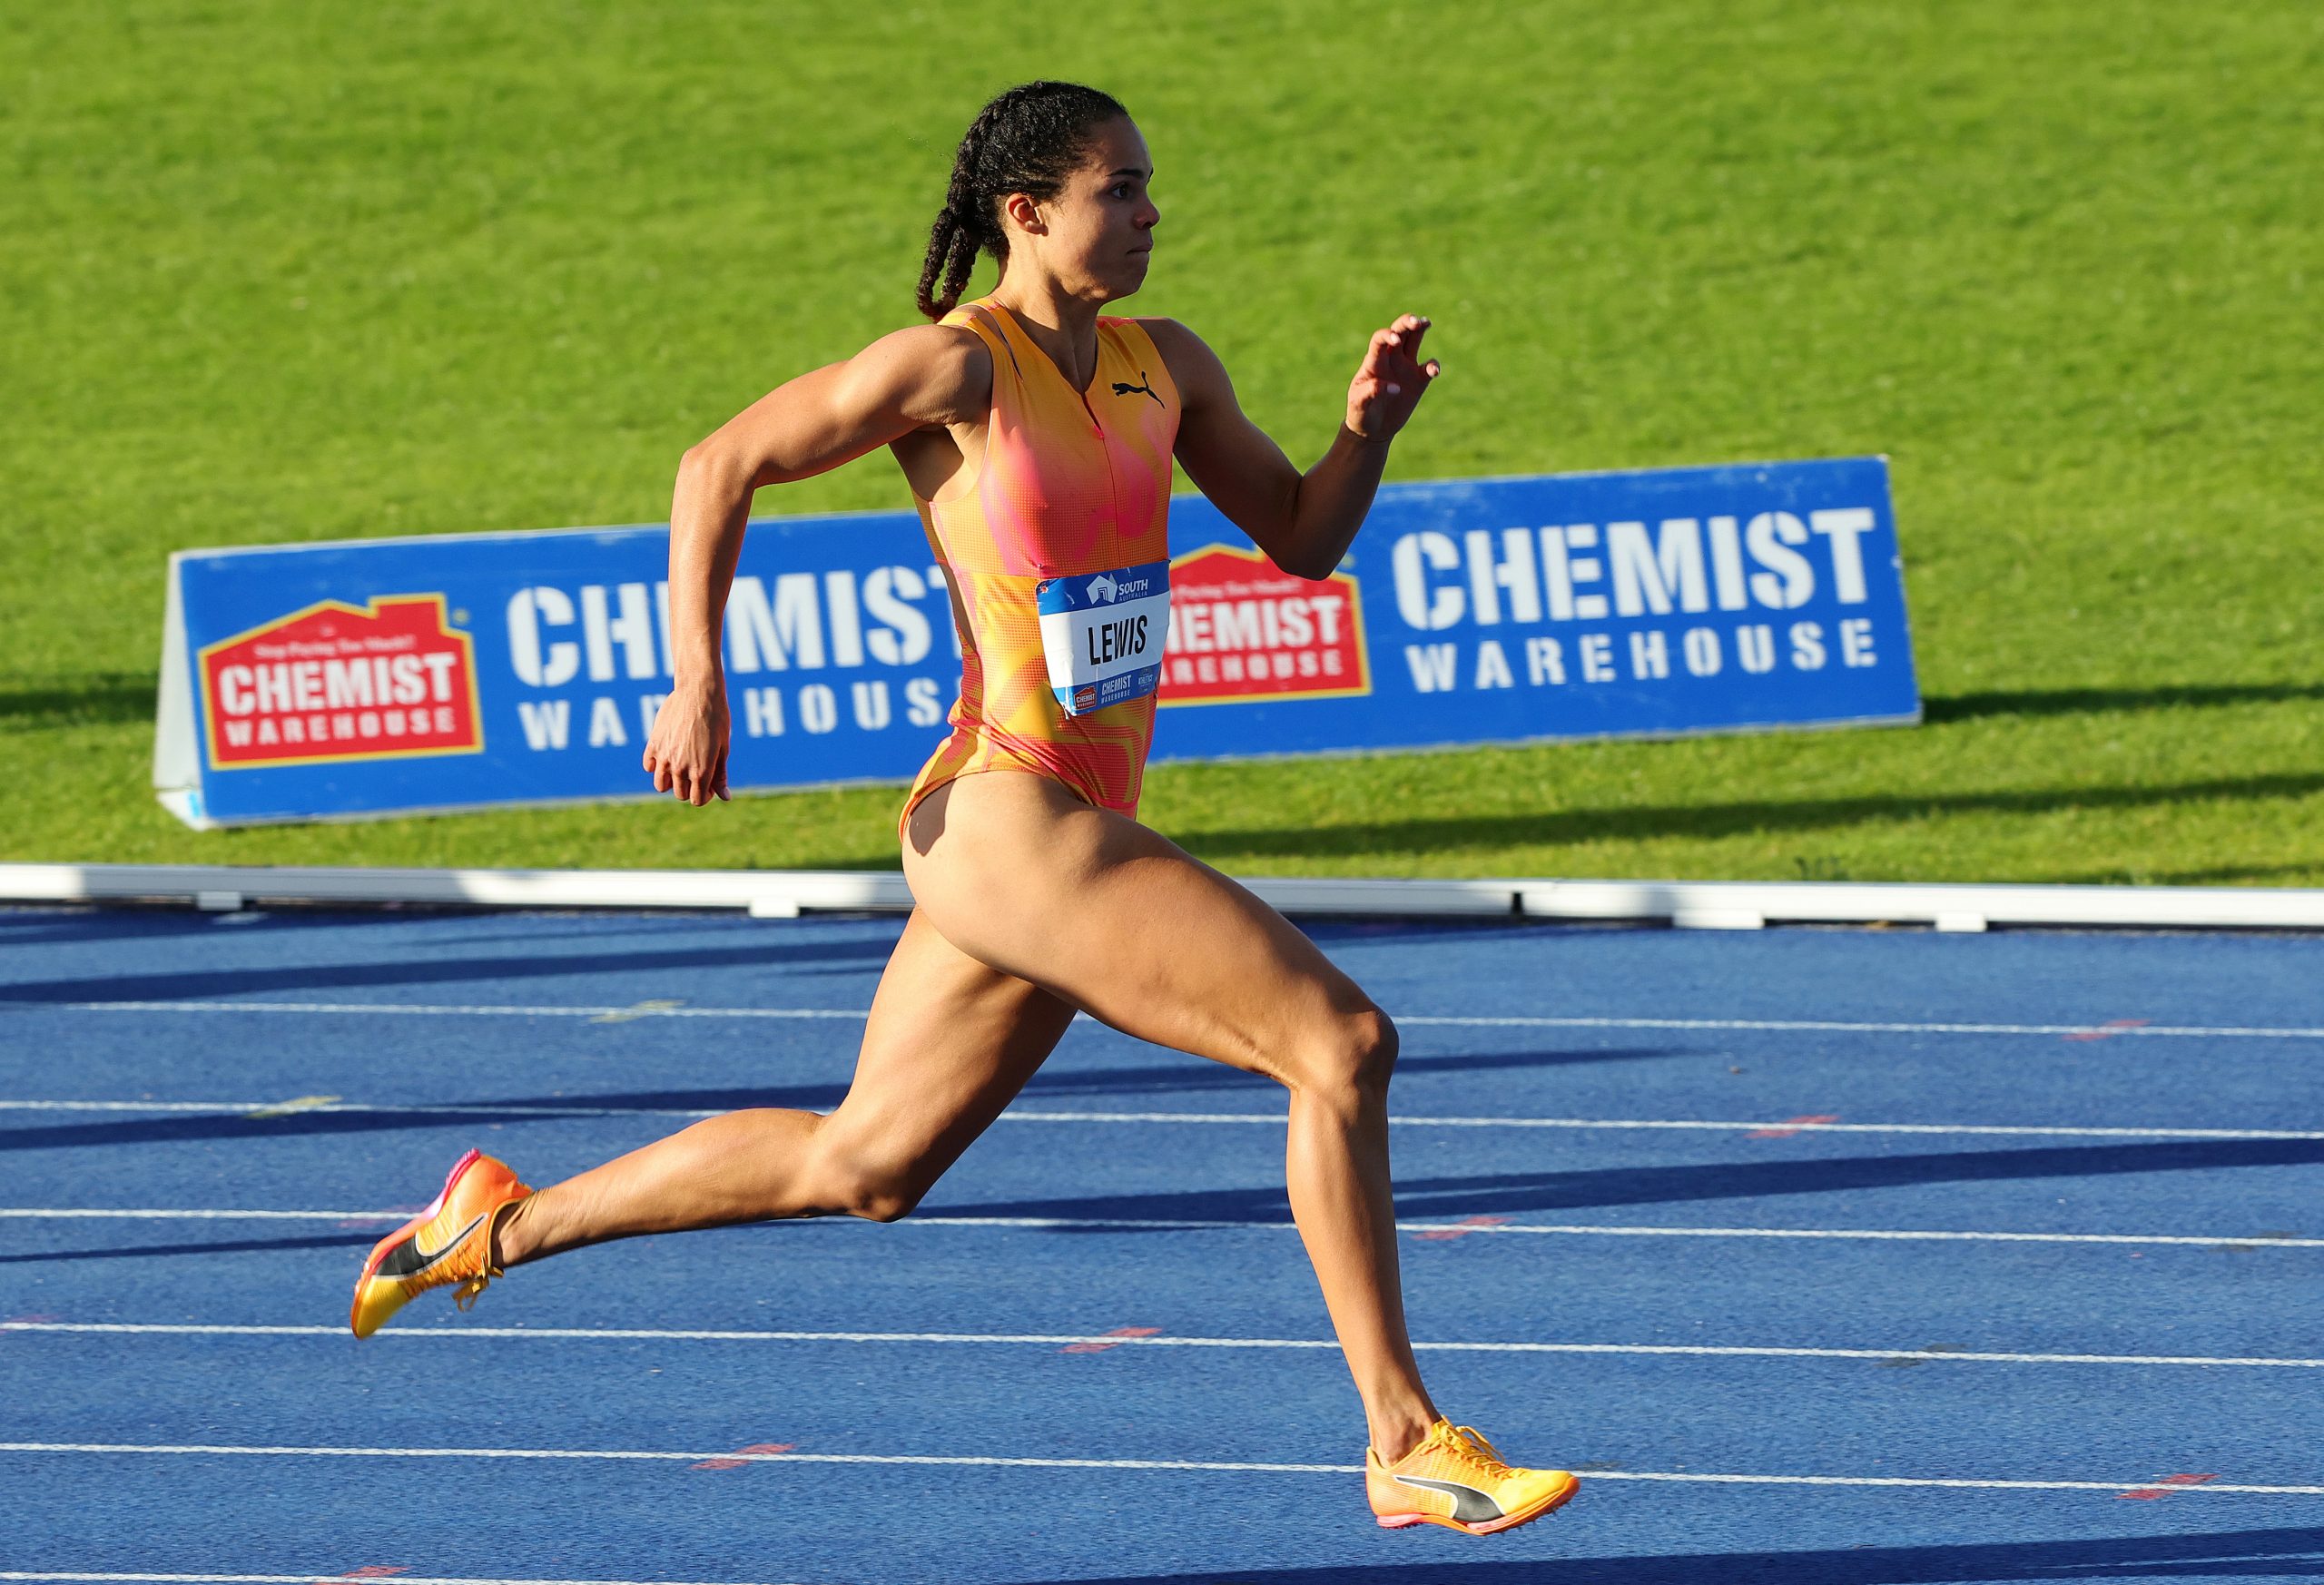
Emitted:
pixel 1768 593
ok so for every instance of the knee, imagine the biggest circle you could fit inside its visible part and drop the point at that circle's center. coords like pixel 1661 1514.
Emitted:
pixel 872 1191
pixel 885 1203
pixel 884 1197
pixel 1353 1057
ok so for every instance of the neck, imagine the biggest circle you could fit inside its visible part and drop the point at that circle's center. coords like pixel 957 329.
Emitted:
pixel 1061 324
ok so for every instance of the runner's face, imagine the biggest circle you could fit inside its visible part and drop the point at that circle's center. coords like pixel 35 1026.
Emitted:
pixel 1101 226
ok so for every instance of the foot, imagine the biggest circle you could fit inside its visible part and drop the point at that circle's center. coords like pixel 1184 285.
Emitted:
pixel 1455 1479
pixel 449 1242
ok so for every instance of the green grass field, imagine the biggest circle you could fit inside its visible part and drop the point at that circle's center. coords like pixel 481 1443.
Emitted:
pixel 276 272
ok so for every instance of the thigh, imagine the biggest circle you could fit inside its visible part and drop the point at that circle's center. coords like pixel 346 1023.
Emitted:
pixel 948 1043
pixel 1117 920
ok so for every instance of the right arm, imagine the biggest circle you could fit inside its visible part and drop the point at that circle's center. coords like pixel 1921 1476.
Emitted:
pixel 923 377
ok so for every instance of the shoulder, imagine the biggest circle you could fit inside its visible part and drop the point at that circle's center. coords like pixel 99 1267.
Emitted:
pixel 936 374
pixel 1192 365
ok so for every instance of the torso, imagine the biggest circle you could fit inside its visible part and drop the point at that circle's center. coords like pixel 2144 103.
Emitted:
pixel 1060 484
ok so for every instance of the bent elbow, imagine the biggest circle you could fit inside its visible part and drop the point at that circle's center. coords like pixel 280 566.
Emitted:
pixel 714 464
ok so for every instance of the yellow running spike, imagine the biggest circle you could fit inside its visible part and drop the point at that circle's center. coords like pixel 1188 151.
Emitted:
pixel 1455 1478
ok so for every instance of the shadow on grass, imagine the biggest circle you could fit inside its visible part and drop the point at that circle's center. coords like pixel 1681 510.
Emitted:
pixel 2220 875
pixel 1448 832
pixel 97 697
pixel 2290 1552
pixel 2109 701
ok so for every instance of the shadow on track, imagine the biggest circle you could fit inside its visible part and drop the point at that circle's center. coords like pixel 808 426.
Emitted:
pixel 1646 1186
pixel 1187 1074
pixel 2289 1553
pixel 227 984
pixel 213 1247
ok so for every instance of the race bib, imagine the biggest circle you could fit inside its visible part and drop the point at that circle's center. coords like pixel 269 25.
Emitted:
pixel 1102 634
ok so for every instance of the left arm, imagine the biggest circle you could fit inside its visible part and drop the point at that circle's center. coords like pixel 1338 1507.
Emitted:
pixel 1305 522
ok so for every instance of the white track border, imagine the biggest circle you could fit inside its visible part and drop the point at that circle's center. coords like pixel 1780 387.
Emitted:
pixel 786 893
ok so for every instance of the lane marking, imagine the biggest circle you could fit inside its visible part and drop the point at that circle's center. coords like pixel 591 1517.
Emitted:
pixel 2109 1029
pixel 1114 1339
pixel 1462 1228
pixel 642 1009
pixel 2164 1487
pixel 1791 1126
pixel 741 1456
pixel 1216 1225
pixel 1144 1337
pixel 1751 1127
pixel 293 1107
pixel 961 1460
pixel 1827 1025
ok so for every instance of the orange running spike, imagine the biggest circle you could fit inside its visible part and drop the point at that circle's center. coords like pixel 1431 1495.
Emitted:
pixel 449 1242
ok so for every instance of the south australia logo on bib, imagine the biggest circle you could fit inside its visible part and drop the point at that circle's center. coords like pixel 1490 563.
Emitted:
pixel 1102 634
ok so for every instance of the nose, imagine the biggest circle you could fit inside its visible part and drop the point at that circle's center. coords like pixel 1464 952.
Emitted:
pixel 1148 216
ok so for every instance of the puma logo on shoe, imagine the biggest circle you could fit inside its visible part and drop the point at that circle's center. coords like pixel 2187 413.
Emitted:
pixel 1470 1506
pixel 1122 387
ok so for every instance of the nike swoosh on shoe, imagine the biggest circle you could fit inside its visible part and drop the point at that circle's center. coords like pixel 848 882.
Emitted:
pixel 394 1266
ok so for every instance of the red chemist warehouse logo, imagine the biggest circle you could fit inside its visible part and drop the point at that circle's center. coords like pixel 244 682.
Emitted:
pixel 1242 632
pixel 336 681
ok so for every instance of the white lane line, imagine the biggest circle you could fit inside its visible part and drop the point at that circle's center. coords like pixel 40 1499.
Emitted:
pixel 955 1461
pixel 1819 1025
pixel 659 1335
pixel 1023 1115
pixel 1192 1225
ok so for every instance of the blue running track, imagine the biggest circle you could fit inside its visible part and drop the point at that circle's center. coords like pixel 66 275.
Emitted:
pixel 1830 1258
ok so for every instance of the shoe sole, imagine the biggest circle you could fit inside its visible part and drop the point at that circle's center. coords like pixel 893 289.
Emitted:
pixel 1549 1504
pixel 434 1208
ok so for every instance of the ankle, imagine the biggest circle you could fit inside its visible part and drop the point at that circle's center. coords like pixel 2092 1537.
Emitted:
pixel 510 1245
pixel 1394 1436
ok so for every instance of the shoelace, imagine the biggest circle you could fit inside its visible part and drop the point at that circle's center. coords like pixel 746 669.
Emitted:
pixel 1468 1443
pixel 473 1286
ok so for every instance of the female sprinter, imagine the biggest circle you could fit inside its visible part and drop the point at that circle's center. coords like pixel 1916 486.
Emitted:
pixel 1036 433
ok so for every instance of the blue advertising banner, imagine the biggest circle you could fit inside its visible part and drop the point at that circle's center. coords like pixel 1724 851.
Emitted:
pixel 463 671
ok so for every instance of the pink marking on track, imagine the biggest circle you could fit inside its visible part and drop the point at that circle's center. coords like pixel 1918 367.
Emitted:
pixel 741 1459
pixel 1467 1225
pixel 1789 1126
pixel 2110 1029
pixel 2164 1487
pixel 368 1571
pixel 1097 1345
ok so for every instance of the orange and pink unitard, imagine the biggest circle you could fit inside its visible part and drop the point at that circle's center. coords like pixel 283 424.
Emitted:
pixel 1072 484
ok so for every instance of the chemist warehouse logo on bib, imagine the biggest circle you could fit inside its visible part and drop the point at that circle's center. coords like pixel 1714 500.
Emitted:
pixel 336 682
pixel 1242 633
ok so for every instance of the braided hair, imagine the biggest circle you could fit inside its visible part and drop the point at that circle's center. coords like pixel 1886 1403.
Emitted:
pixel 1027 140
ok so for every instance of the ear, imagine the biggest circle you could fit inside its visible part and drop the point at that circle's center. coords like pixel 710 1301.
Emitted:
pixel 1021 211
